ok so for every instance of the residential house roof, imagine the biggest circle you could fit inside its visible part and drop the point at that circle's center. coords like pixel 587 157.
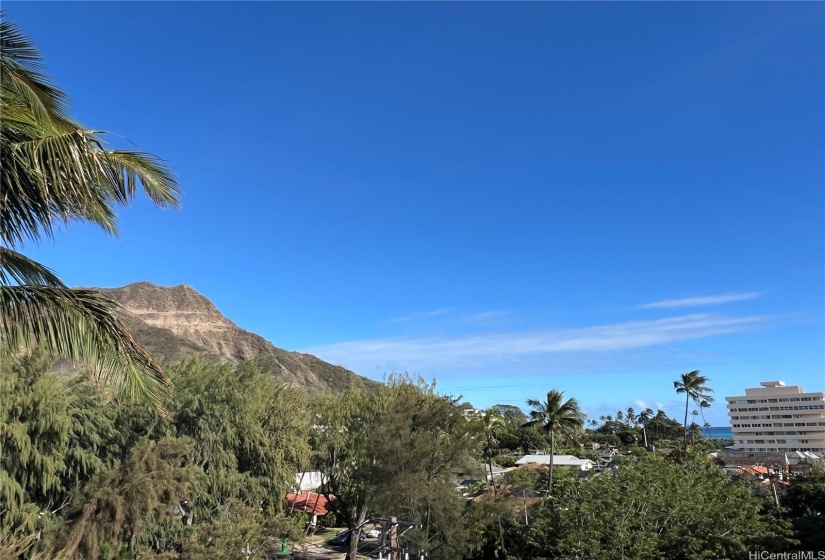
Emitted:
pixel 558 460
pixel 309 502
pixel 796 457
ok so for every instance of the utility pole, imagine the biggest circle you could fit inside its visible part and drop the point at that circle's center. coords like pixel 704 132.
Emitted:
pixel 395 529
pixel 394 538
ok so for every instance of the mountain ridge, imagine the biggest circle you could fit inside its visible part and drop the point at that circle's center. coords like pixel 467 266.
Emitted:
pixel 176 322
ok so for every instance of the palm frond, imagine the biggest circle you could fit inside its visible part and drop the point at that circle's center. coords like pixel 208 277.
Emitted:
pixel 49 180
pixel 21 66
pixel 554 413
pixel 66 174
pixel 19 269
pixel 80 324
pixel 156 178
pixel 55 171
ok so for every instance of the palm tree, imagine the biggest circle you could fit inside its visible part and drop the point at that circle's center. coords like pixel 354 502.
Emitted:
pixel 703 404
pixel 630 414
pixel 693 426
pixel 658 420
pixel 555 415
pixel 54 172
pixel 692 385
pixel 491 423
pixel 644 417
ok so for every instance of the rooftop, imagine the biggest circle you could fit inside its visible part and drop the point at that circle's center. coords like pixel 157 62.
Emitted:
pixel 558 460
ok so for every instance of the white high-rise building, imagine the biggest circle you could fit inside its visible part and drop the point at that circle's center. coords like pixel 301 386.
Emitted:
pixel 776 417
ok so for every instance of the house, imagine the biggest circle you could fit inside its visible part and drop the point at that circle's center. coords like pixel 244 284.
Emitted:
pixel 312 503
pixel 310 480
pixel 498 472
pixel 800 461
pixel 752 458
pixel 470 413
pixel 564 461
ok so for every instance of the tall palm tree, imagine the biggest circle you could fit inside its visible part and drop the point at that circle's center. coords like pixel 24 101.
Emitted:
pixel 630 415
pixel 692 385
pixel 56 171
pixel 658 421
pixel 644 417
pixel 555 415
pixel 693 426
pixel 703 404
pixel 491 425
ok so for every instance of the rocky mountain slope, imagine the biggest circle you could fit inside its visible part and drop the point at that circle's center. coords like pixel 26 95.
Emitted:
pixel 175 322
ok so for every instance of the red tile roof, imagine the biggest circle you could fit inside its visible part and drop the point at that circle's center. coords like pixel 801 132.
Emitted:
pixel 309 502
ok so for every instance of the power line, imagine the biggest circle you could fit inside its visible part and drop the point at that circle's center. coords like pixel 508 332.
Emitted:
pixel 395 529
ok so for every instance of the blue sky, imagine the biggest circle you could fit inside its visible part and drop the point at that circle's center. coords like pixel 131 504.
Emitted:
pixel 593 197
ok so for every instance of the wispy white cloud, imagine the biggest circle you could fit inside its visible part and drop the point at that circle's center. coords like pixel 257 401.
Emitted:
pixel 703 300
pixel 641 404
pixel 485 316
pixel 413 316
pixel 438 312
pixel 415 353
pixel 660 406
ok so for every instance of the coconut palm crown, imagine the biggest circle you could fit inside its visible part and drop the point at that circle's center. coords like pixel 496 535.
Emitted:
pixel 55 171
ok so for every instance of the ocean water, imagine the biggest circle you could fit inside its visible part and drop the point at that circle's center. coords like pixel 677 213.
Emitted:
pixel 720 432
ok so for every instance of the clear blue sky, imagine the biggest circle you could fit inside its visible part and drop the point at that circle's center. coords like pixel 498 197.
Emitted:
pixel 593 197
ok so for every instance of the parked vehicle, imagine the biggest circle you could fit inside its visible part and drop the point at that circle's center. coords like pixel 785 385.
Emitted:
pixel 342 538
pixel 374 533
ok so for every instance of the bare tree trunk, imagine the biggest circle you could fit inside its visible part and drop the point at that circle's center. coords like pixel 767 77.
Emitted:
pixel 352 553
pixel 501 536
pixel 704 421
pixel 552 453
pixel 355 535
pixel 524 499
pixel 687 404
pixel 490 467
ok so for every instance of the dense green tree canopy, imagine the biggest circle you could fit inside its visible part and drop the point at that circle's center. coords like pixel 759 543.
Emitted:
pixel 251 432
pixel 649 508
pixel 101 478
pixel 393 452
